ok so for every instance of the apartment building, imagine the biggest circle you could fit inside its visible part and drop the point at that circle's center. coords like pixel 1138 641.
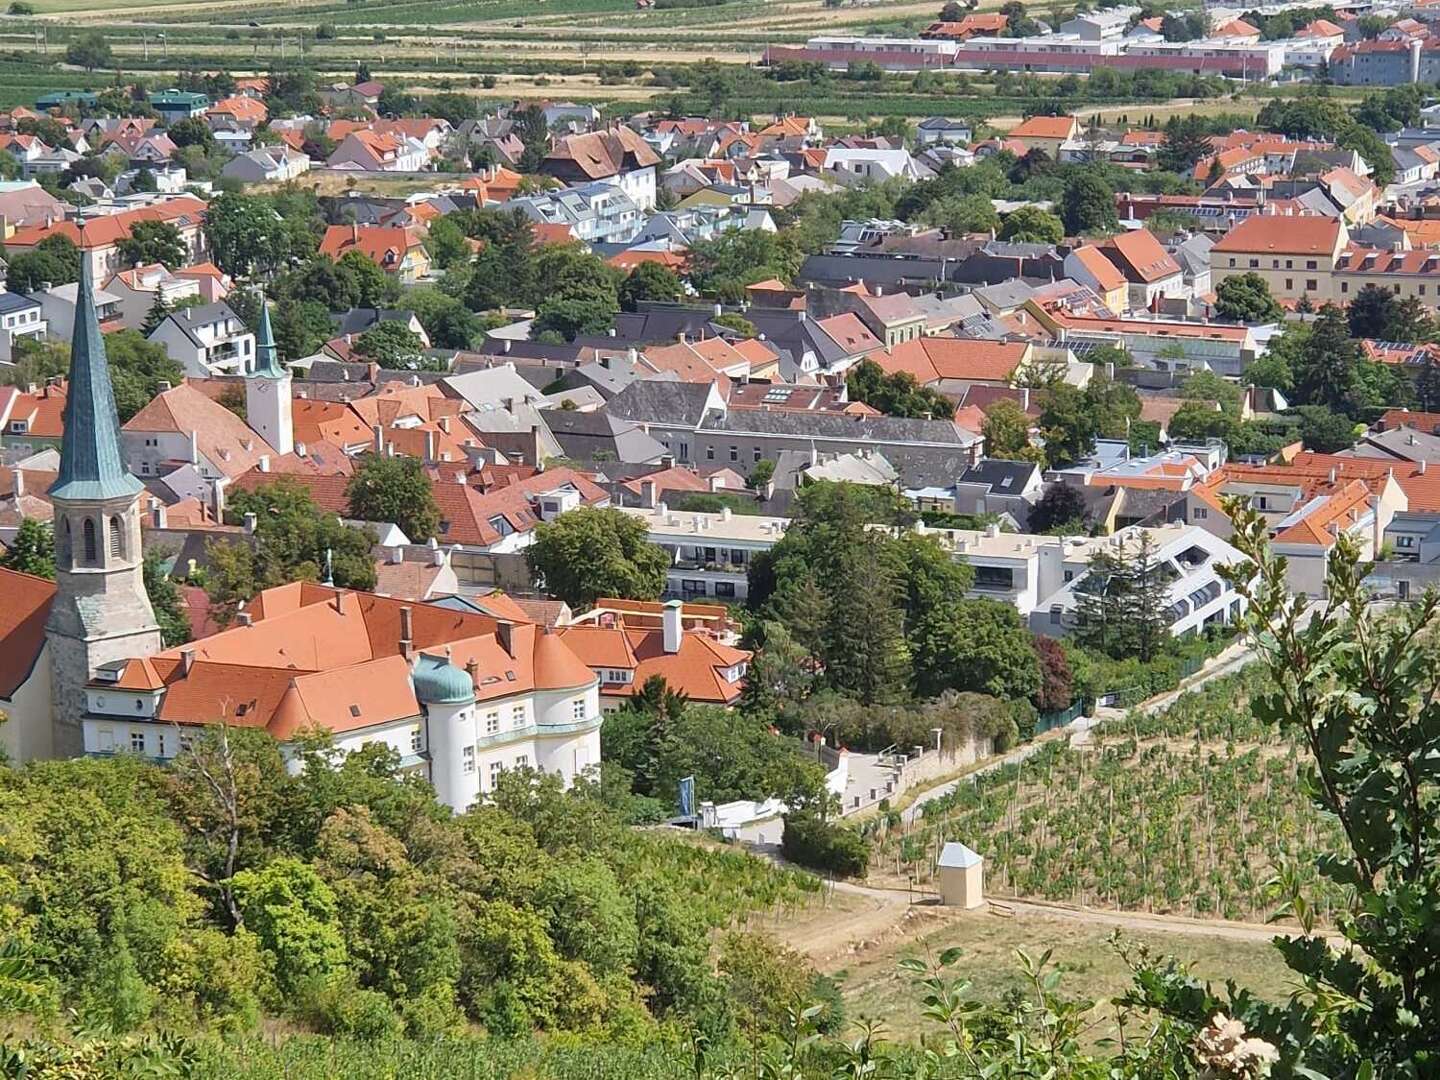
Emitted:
pixel 1295 254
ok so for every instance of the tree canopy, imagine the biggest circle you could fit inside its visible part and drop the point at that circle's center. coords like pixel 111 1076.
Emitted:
pixel 593 552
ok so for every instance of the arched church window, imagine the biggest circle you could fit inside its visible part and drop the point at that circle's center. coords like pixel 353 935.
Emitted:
pixel 117 538
pixel 65 544
pixel 90 542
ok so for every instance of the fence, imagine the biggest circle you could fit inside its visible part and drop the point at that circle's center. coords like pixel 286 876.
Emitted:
pixel 1049 721
pixel 1131 696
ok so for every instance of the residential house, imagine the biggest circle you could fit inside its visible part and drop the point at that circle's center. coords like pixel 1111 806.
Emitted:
pixel 995 486
pixel 25 693
pixel 1404 273
pixel 21 319
pixel 1088 265
pixel 192 443
pixel 595 213
pixel 362 95
pixel 670 412
pixel 616 155
pixel 625 654
pixel 368 151
pixel 267 165
pixel 207 340
pixel 1046 133
pixel 400 252
pixel 98 236
pixel 953 365
pixel 138 287
pixel 241 109
pixel 943 131
pixel 57 307
pixel 1150 272
pixel 32 419
pixel 709 553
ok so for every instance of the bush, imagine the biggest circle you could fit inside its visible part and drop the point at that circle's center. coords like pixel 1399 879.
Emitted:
pixel 821 845
pixel 334 1005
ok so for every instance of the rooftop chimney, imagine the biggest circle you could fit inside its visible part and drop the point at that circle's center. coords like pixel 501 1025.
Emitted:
pixel 245 619
pixel 472 668
pixel 187 661
pixel 157 509
pixel 505 635
pixel 406 631
pixel 264 463
pixel 250 522
pixel 671 625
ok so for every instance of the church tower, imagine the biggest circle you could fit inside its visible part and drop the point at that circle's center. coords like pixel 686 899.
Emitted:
pixel 100 612
pixel 267 391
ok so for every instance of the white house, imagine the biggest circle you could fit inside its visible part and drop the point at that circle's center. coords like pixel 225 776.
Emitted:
pixel 137 288
pixel 207 340
pixel 710 553
pixel 267 165
pixel 21 318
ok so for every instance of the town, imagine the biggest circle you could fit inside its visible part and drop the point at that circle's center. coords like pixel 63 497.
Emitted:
pixel 507 584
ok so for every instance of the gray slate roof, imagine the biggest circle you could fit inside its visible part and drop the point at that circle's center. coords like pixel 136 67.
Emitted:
pixel 661 401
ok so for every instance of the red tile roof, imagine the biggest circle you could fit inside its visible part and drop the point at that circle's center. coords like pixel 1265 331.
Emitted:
pixel 22 627
pixel 1282 234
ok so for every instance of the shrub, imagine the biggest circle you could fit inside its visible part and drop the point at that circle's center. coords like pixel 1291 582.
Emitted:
pixel 821 845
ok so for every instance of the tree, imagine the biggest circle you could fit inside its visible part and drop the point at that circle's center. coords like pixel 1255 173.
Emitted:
pixel 1088 204
pixel 32 550
pixel 1370 312
pixel 293 541
pixel 897 394
pixel 165 601
pixel 573 315
pixel 1067 424
pixel 590 552
pixel 55 259
pixel 395 490
pixel 89 51
pixel 137 369
pixel 649 281
pixel 1032 225
pixel 1427 385
pixel 721 267
pixel 976 645
pixel 1351 682
pixel 448 323
pixel 1060 511
pixel 154 242
pixel 1006 430
pixel 301 328
pixel 1057 682
pixel 192 131
pixel 391 345
pixel 1187 142
pixel 958 214
pixel 1122 602
pixel 1324 431
pixel 1326 368
pixel 1410 321
pixel 446 243
pixel 1246 298
pixel 159 311
pixel 293 913
pixel 246 233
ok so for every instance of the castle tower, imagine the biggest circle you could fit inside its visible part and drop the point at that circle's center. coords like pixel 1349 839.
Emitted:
pixel 267 391
pixel 100 612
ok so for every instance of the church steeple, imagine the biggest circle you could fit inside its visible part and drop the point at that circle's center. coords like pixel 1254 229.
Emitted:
pixel 267 357
pixel 101 612
pixel 267 390
pixel 91 465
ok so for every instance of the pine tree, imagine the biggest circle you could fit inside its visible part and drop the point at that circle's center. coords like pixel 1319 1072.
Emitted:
pixel 1147 600
pixel 1100 602
pixel 159 311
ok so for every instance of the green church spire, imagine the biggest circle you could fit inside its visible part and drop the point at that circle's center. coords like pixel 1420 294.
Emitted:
pixel 91 465
pixel 267 357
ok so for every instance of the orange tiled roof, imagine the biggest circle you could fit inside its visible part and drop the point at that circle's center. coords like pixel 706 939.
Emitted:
pixel 1283 234
pixel 331 658
pixel 1046 127
pixel 22 627
pixel 931 359
pixel 381 244
pixel 107 230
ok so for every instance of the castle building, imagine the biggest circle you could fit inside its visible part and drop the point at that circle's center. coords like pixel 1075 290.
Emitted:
pixel 100 611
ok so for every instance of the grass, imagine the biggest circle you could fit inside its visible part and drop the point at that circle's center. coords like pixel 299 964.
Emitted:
pixel 1091 967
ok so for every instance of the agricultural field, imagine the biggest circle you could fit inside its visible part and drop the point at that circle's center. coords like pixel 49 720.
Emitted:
pixel 1188 812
